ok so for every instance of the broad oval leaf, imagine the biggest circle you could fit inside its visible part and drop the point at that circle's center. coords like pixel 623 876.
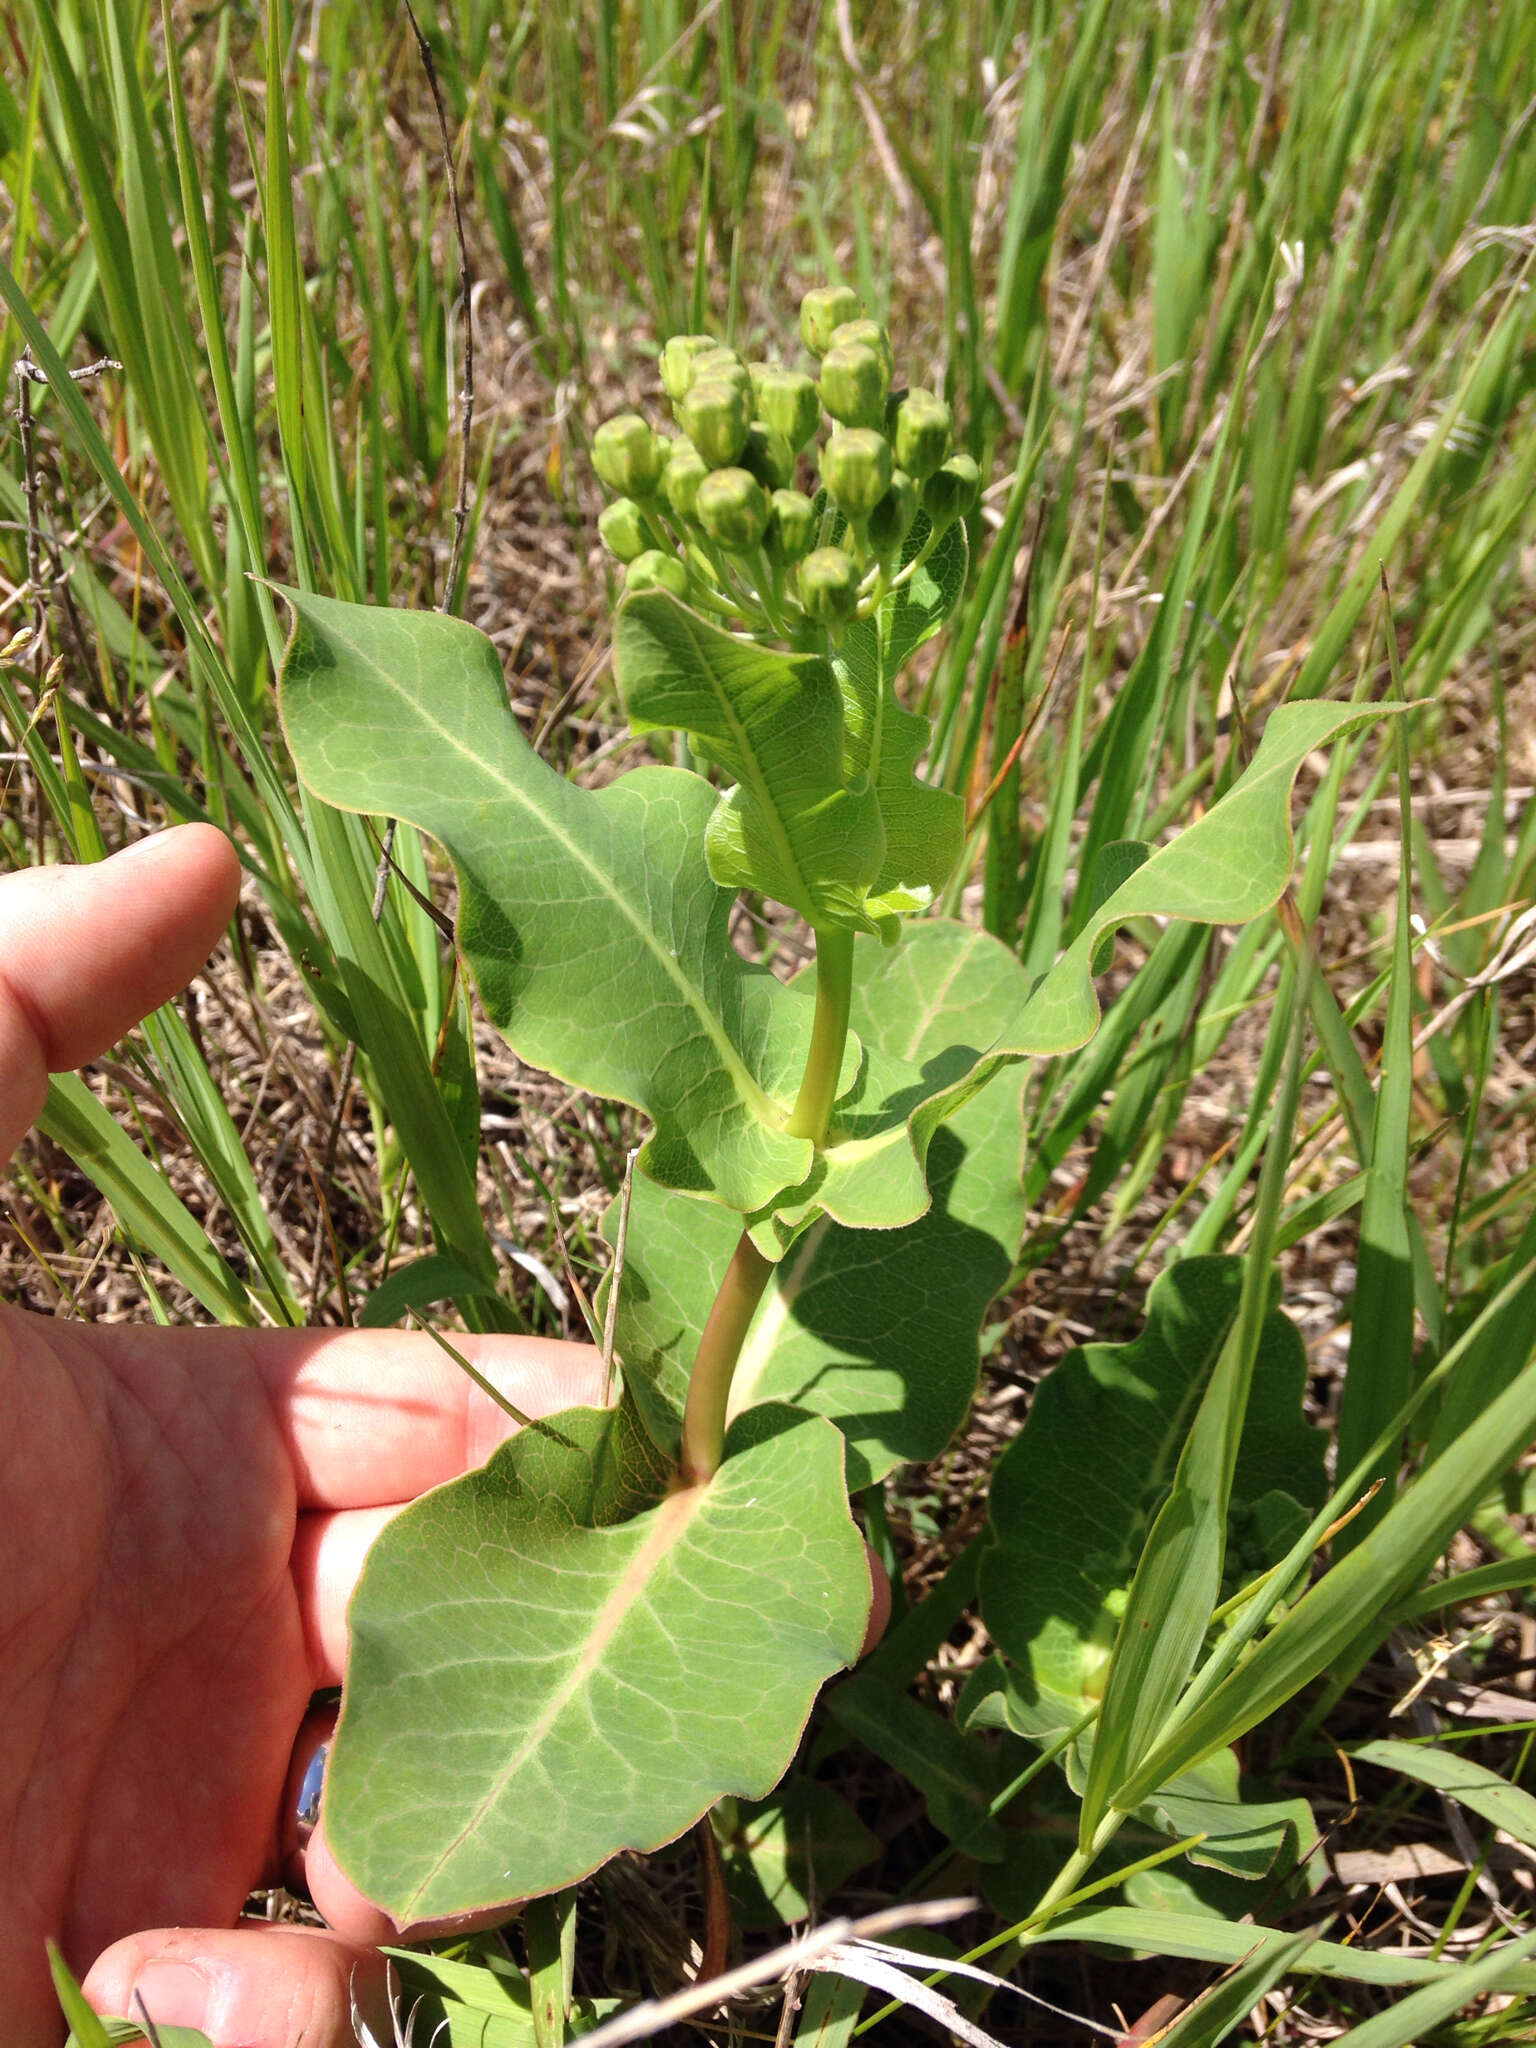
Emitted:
pixel 1098 1454
pixel 1226 868
pixel 599 942
pixel 877 1329
pixel 557 1657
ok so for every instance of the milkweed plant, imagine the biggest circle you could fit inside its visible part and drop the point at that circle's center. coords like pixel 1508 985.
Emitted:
pixel 627 1614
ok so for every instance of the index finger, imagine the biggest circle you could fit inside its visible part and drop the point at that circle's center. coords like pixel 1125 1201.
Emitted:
pixel 374 1417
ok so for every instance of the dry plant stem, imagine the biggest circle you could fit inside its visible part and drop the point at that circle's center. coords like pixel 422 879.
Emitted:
pixel 709 1384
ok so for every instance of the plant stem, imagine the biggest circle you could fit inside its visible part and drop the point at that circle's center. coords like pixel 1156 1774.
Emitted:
pixel 829 1033
pixel 714 1365
pixel 709 1386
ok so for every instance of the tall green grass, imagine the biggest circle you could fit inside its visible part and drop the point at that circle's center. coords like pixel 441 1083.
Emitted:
pixel 1234 304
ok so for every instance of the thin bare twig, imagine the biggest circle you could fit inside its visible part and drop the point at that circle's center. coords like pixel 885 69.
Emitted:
pixel 616 1277
pixel 644 2021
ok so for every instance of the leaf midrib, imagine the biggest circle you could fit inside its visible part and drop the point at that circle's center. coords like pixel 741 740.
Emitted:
pixel 748 750
pixel 674 1516
pixel 747 1087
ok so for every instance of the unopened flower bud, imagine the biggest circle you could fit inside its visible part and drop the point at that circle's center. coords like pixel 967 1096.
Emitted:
pixel 792 530
pixel 678 359
pixel 822 312
pixel 856 469
pixel 892 517
pixel 686 470
pixel 951 492
pixel 866 334
pixel 655 571
pixel 788 401
pixel 769 457
pixel 629 456
pixel 623 528
pixel 921 434
pixel 854 382
pixel 733 509
pixel 715 416
pixel 722 365
pixel 829 586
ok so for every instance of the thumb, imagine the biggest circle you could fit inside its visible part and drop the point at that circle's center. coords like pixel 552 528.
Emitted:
pixel 251 1986
pixel 85 952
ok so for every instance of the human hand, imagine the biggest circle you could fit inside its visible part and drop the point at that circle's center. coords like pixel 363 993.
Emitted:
pixel 185 1513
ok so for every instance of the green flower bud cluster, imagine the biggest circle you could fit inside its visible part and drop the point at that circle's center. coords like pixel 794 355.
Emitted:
pixel 725 511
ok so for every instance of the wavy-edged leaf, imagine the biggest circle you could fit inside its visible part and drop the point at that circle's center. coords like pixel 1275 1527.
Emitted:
pixel 926 1014
pixel 1097 1455
pixel 1224 869
pixel 794 825
pixel 557 1657
pixel 924 827
pixel 877 1329
pixel 598 940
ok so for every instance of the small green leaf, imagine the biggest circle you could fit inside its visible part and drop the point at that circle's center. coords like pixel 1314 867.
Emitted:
pixel 927 1014
pixel 793 826
pixel 1226 868
pixel 786 1852
pixel 924 827
pixel 877 1329
pixel 556 1657
pixel 425 1280
pixel 1245 1837
pixel 600 944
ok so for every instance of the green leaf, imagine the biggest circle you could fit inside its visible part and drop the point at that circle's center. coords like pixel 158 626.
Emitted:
pixel 927 1014
pixel 958 1775
pixel 425 1280
pixel 794 826
pixel 1226 868
pixel 1243 1836
pixel 1207 1940
pixel 463 2004
pixel 876 1329
pixel 785 1853
pixel 598 940
pixel 1362 1589
pixel 556 1657
pixel 1227 2003
pixel 1412 2019
pixel 142 1199
pixel 1097 1455
pixel 924 827
pixel 1470 1784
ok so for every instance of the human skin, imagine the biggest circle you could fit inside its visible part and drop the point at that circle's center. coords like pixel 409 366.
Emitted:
pixel 183 1514
pixel 183 1517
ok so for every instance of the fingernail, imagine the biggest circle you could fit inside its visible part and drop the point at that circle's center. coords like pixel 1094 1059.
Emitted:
pixel 173 1995
pixel 147 844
